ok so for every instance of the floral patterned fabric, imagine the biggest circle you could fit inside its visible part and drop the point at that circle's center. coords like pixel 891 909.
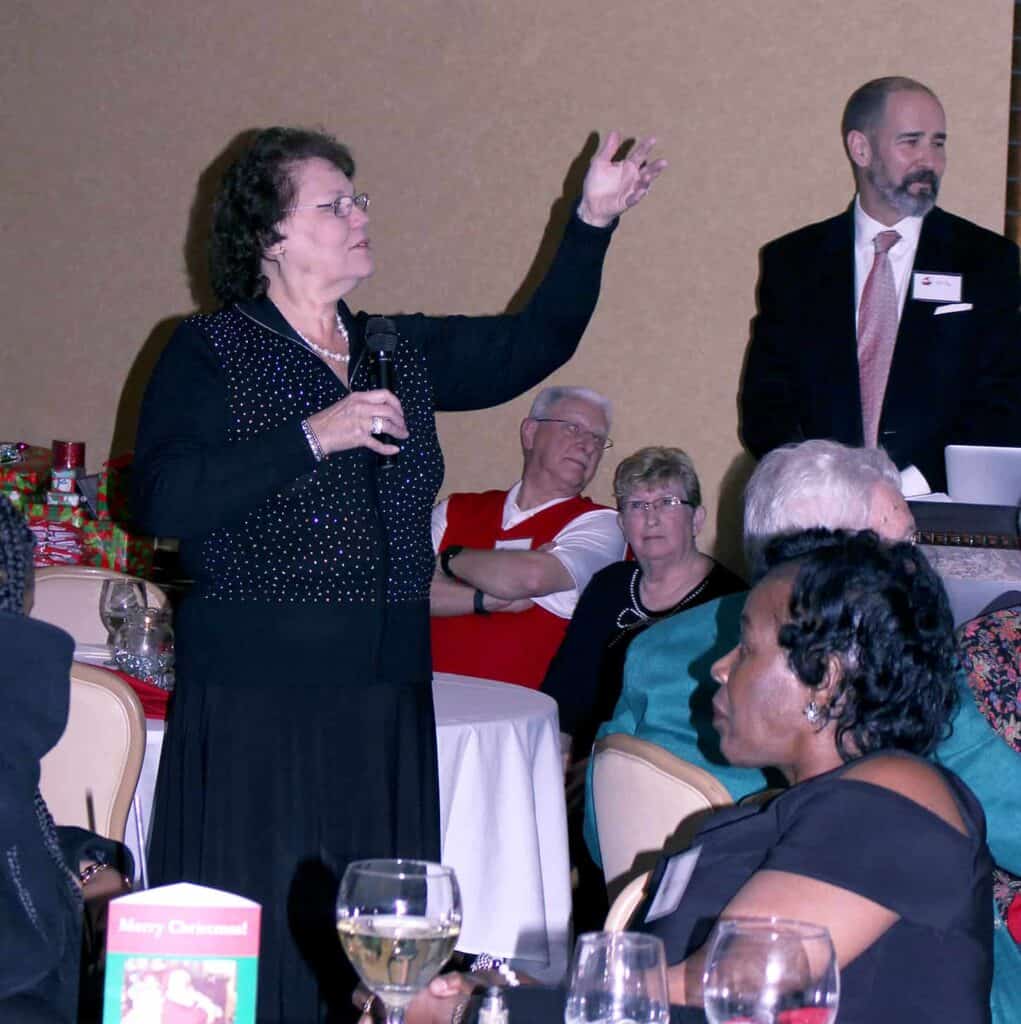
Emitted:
pixel 991 653
pixel 990 647
pixel 1007 892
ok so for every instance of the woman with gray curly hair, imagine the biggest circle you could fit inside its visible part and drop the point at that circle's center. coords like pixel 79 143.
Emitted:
pixel 659 503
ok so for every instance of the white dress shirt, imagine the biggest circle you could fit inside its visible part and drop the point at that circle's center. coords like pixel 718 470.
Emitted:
pixel 584 546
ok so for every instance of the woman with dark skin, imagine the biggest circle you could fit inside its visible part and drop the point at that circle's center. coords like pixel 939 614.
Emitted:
pixel 844 681
pixel 302 734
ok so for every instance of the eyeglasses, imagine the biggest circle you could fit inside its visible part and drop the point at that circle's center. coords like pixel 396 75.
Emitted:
pixel 341 206
pixel 668 503
pixel 576 432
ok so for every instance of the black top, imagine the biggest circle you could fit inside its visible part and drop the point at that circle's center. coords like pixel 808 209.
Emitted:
pixel 40 909
pixel 587 672
pixel 221 461
pixel 934 963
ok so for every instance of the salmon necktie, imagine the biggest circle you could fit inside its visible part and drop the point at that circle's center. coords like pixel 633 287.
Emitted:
pixel 877 333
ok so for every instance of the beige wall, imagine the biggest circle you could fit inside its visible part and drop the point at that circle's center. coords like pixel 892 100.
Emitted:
pixel 465 118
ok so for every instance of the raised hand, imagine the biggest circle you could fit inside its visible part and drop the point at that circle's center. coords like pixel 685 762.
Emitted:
pixel 613 186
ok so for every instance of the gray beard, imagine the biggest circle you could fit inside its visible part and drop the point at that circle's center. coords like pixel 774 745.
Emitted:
pixel 898 196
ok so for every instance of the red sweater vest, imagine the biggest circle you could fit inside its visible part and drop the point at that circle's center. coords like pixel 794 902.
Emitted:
pixel 515 647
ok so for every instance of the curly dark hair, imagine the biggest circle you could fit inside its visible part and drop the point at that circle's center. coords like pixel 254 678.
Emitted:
pixel 882 611
pixel 254 196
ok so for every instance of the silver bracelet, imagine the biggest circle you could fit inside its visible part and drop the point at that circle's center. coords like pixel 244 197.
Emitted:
pixel 313 442
pixel 488 962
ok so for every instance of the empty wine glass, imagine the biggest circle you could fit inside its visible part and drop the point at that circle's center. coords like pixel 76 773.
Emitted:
pixel 771 971
pixel 398 921
pixel 617 977
pixel 117 599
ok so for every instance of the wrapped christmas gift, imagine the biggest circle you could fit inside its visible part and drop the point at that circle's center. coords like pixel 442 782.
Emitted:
pixel 111 546
pixel 113 497
pixel 58 532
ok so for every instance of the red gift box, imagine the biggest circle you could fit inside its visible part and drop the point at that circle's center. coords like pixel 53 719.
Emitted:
pixel 113 497
pixel 110 546
pixel 58 532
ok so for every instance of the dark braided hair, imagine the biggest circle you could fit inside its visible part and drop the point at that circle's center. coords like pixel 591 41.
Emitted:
pixel 16 544
pixel 881 610
pixel 254 197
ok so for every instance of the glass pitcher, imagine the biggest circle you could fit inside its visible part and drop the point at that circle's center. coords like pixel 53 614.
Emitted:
pixel 145 647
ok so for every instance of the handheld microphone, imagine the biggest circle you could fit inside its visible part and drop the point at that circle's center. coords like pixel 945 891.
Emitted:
pixel 381 340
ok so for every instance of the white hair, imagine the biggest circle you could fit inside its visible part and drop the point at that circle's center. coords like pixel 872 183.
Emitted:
pixel 548 397
pixel 815 483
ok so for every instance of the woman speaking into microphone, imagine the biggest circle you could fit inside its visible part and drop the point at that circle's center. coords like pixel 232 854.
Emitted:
pixel 302 733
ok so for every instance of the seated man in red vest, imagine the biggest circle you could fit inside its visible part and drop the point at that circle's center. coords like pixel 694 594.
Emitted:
pixel 512 563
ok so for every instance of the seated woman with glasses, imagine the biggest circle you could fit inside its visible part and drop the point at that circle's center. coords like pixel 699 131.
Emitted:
pixel 660 512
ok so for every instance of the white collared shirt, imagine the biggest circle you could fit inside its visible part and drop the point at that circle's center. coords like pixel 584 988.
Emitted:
pixel 902 255
pixel 584 546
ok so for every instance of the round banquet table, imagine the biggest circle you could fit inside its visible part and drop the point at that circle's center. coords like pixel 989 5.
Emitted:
pixel 503 822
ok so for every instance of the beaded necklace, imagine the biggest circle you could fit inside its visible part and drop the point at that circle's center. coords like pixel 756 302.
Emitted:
pixel 339 357
pixel 635 615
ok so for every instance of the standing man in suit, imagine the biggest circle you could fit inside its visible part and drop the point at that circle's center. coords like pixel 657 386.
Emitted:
pixel 895 323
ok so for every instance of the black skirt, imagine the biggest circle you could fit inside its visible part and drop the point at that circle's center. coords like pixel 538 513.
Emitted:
pixel 290 752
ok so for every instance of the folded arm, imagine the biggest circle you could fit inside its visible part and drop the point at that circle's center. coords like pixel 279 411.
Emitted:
pixel 510 575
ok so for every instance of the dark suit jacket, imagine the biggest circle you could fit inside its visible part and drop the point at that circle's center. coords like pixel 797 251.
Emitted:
pixel 955 378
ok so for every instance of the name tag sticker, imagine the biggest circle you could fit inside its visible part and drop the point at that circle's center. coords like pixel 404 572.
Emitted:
pixel 936 287
pixel 675 880
pixel 519 544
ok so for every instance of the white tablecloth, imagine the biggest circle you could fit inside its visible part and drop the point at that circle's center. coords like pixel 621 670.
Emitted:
pixel 502 817
pixel 974 577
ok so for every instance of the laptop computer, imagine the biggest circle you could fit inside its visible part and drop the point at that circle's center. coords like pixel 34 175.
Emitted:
pixel 983 475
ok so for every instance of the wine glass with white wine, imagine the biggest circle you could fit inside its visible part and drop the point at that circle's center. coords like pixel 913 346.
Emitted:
pixel 398 922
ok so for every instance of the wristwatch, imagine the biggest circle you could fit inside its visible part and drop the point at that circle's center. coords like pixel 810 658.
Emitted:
pixel 445 556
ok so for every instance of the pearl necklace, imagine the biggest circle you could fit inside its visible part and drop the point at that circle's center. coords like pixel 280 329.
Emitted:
pixel 339 357
pixel 630 618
